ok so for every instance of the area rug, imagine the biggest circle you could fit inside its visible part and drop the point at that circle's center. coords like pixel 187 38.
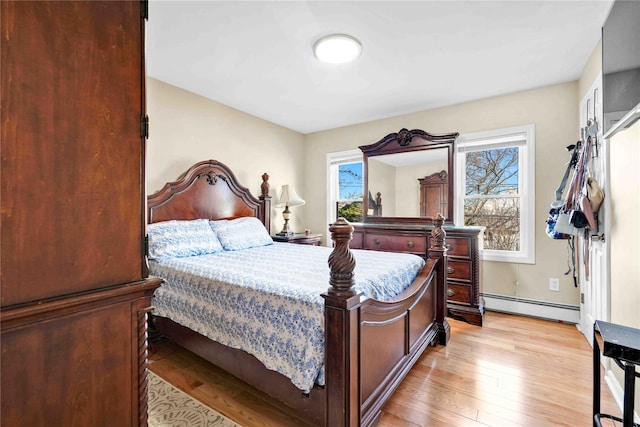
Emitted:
pixel 171 407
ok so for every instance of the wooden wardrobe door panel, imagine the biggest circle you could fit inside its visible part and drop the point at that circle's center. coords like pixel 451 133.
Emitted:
pixel 434 194
pixel 65 375
pixel 433 197
pixel 72 100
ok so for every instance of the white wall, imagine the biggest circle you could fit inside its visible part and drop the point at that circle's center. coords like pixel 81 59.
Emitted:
pixel 625 235
pixel 186 128
pixel 625 227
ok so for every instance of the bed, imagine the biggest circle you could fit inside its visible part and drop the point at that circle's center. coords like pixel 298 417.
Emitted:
pixel 368 339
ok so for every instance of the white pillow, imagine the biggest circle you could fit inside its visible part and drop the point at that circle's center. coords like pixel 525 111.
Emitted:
pixel 176 239
pixel 243 233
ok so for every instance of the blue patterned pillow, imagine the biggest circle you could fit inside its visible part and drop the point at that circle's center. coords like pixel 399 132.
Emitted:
pixel 217 223
pixel 243 233
pixel 177 239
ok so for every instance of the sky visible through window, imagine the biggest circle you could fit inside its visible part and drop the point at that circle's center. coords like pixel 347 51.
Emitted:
pixel 350 181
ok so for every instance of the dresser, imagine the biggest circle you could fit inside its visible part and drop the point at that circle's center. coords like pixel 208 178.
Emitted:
pixel 75 292
pixel 464 244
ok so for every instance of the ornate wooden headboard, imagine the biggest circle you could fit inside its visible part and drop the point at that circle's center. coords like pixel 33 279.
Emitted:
pixel 209 190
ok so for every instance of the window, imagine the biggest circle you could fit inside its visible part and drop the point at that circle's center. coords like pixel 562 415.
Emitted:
pixel 345 186
pixel 496 190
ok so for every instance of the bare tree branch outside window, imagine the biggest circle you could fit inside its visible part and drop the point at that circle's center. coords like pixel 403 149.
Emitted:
pixel 492 196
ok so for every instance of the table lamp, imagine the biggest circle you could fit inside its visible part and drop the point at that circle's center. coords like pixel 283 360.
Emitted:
pixel 288 197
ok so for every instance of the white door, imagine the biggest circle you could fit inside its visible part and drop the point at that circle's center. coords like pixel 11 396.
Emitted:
pixel 595 280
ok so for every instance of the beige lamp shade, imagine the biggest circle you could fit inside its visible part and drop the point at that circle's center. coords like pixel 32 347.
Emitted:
pixel 289 197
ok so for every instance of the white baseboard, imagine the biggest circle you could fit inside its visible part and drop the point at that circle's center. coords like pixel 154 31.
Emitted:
pixel 527 307
pixel 618 393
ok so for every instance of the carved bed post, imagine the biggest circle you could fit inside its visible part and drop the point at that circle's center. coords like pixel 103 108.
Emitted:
pixel 265 202
pixel 342 309
pixel 438 250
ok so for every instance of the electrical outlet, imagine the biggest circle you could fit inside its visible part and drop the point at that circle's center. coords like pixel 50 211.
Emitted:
pixel 554 284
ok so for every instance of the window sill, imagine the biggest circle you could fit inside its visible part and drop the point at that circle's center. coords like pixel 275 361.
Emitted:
pixel 498 256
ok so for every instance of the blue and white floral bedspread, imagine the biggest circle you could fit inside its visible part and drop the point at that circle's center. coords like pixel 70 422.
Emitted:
pixel 266 300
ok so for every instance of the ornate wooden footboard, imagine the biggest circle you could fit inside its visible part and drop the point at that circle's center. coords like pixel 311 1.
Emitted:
pixel 370 345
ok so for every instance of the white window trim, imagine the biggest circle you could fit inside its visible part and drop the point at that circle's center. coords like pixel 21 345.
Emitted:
pixel 525 135
pixel 333 160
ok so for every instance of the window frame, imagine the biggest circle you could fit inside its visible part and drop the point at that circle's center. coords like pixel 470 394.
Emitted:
pixel 522 137
pixel 333 161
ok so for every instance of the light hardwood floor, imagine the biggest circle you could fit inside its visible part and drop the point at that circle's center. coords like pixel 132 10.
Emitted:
pixel 513 371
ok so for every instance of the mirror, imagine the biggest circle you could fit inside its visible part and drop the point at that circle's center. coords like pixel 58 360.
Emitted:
pixel 399 177
pixel 413 172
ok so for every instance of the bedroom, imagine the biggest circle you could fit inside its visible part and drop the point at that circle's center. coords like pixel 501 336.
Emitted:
pixel 208 129
pixel 553 108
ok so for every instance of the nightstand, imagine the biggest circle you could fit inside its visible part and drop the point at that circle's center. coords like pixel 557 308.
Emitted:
pixel 300 239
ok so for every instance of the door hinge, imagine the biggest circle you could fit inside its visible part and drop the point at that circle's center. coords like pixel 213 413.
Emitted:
pixel 582 298
pixel 144 127
pixel 146 245
pixel 144 9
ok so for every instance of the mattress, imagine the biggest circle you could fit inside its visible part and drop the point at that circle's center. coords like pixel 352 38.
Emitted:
pixel 267 300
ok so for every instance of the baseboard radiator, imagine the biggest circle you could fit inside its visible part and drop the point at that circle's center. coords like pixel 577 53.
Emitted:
pixel 533 308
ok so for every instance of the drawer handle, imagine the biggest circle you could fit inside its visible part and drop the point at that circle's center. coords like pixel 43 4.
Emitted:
pixel 411 244
pixel 448 246
pixel 450 269
pixel 450 292
pixel 376 241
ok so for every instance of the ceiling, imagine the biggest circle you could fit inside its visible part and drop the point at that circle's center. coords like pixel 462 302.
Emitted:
pixel 257 56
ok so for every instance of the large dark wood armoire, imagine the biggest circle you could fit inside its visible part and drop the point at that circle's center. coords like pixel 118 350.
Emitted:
pixel 75 292
pixel 434 191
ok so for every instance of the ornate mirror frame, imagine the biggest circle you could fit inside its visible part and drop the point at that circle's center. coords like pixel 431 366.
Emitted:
pixel 407 141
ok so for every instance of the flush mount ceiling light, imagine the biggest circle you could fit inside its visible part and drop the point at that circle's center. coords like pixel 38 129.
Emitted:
pixel 337 49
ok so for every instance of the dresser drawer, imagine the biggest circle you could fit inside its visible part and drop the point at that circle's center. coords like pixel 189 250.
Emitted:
pixel 458 246
pixel 356 240
pixel 396 243
pixel 459 269
pixel 459 292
